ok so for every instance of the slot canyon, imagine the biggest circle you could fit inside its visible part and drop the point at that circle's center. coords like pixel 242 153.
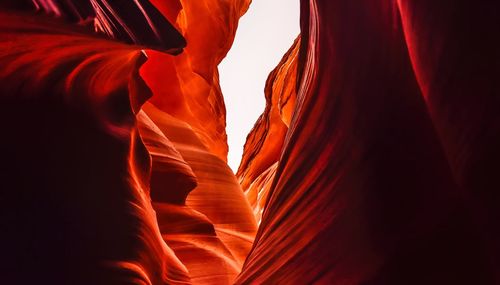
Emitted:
pixel 374 161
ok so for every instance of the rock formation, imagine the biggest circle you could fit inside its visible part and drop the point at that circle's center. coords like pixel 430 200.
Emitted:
pixel 374 162
pixel 386 172
pixel 265 142
pixel 101 188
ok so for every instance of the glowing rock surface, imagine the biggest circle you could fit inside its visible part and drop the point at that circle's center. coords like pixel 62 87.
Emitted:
pixel 118 192
pixel 77 206
pixel 374 162
pixel 265 142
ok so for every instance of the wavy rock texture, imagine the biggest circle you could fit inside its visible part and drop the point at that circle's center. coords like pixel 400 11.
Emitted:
pixel 374 161
pixel 264 143
pixel 211 226
pixel 75 172
pixel 135 22
pixel 100 190
pixel 210 229
pixel 386 171
pixel 187 86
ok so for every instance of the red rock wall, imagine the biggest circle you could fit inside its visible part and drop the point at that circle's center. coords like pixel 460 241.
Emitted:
pixel 187 86
pixel 374 161
pixel 263 147
pixel 210 227
pixel 457 69
pixel 104 188
pixel 75 173
pixel 386 171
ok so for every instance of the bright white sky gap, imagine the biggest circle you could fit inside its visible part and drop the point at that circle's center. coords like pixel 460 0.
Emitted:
pixel 264 35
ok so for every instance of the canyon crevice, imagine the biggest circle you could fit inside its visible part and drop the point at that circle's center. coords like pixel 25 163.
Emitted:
pixel 374 162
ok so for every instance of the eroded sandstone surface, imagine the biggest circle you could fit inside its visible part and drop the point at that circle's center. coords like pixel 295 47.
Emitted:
pixel 374 162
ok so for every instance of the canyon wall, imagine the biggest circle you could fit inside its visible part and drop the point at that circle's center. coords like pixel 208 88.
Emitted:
pixel 100 187
pixel 386 171
pixel 263 147
pixel 374 161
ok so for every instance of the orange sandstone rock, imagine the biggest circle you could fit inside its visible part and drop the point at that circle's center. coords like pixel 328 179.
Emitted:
pixel 75 172
pixel 116 193
pixel 264 144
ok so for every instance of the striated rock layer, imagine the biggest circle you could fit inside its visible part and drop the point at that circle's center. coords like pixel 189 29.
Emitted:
pixel 386 171
pixel 264 143
pixel 76 206
pixel 187 86
pixel 101 187
pixel 209 225
pixel 374 161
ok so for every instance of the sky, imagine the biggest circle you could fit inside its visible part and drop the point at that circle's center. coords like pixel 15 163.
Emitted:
pixel 264 35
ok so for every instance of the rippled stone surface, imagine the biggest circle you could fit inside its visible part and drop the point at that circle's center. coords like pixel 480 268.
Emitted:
pixel 75 172
pixel 211 229
pixel 264 143
pixel 374 162
pixel 103 189
pixel 384 176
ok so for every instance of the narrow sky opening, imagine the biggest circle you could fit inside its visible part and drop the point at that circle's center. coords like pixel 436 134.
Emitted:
pixel 264 35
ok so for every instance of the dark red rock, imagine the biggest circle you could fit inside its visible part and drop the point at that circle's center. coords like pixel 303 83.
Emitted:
pixel 364 192
pixel 75 173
